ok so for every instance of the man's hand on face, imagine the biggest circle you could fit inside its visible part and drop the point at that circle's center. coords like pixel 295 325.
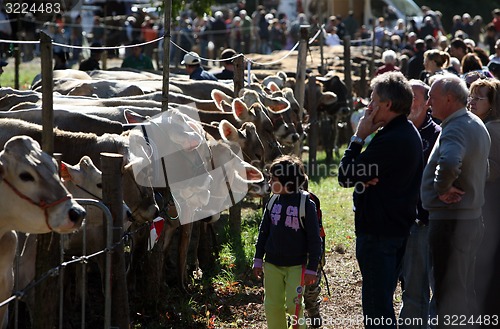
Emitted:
pixel 367 124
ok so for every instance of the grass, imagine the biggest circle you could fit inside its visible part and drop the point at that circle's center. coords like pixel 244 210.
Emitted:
pixel 27 72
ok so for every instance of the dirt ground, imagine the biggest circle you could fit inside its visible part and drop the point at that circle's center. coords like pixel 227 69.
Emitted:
pixel 341 310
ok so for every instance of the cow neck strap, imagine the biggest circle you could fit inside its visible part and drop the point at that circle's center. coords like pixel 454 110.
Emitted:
pixel 42 204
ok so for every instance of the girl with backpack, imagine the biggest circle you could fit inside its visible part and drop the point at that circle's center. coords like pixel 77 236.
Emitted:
pixel 291 246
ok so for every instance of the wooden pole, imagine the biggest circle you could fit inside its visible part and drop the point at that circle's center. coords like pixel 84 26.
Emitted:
pixel 167 4
pixel 48 252
pixel 347 69
pixel 17 53
pixel 112 193
pixel 104 57
pixel 235 210
pixel 322 70
pixel 313 131
pixel 17 61
pixel 301 70
pixel 239 75
pixel 362 79
pixel 47 96
pixel 372 60
pixel 301 76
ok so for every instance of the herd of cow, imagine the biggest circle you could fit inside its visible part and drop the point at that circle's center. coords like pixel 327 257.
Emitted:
pixel 93 113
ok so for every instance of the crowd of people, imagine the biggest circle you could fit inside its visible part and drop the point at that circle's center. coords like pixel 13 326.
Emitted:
pixel 426 185
pixel 439 236
pixel 262 31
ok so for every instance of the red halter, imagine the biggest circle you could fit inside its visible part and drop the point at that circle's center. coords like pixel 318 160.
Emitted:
pixel 42 204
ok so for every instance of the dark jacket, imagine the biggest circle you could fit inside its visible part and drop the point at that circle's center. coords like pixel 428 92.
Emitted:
pixel 225 75
pixel 89 65
pixel 416 65
pixel 429 132
pixel 394 156
pixel 200 74
pixel 282 239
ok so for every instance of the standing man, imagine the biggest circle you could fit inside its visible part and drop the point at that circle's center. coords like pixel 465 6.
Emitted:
pixel 137 60
pixel 194 69
pixel 417 275
pixel 227 56
pixel 92 63
pixel 386 179
pixel 416 62
pixel 453 193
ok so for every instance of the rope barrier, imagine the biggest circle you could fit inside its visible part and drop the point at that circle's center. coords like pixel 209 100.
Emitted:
pixel 310 41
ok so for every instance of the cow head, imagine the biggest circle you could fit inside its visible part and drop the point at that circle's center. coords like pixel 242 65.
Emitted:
pixel 84 180
pixel 32 190
pixel 257 115
pixel 246 138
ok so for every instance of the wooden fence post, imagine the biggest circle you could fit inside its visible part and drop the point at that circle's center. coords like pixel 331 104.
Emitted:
pixel 313 130
pixel 372 60
pixel 235 210
pixel 300 87
pixel 48 252
pixel 112 193
pixel 347 71
pixel 17 61
pixel 166 54
pixel 239 74
pixel 47 93
pixel 362 80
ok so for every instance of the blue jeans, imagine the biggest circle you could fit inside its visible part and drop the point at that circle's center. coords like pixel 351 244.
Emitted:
pixel 380 260
pixel 418 281
pixel 453 245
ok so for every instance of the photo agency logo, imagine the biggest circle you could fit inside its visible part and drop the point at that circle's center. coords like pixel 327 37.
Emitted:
pixel 204 178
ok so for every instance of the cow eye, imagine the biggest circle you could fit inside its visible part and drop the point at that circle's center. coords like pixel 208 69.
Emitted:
pixel 26 177
pixel 99 185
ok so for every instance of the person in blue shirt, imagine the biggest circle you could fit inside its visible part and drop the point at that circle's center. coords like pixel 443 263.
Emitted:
pixel 192 62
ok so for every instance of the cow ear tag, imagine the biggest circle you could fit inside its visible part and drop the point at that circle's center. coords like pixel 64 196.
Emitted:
pixel 64 172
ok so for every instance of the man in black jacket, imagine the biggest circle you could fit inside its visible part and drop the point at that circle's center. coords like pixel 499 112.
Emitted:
pixel 416 63
pixel 386 179
pixel 227 56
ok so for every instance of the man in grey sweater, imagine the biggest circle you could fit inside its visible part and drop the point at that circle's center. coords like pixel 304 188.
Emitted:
pixel 453 192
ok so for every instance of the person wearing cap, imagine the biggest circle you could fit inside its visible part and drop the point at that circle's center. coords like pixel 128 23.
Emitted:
pixel 137 60
pixel 193 67
pixel 92 63
pixel 228 63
